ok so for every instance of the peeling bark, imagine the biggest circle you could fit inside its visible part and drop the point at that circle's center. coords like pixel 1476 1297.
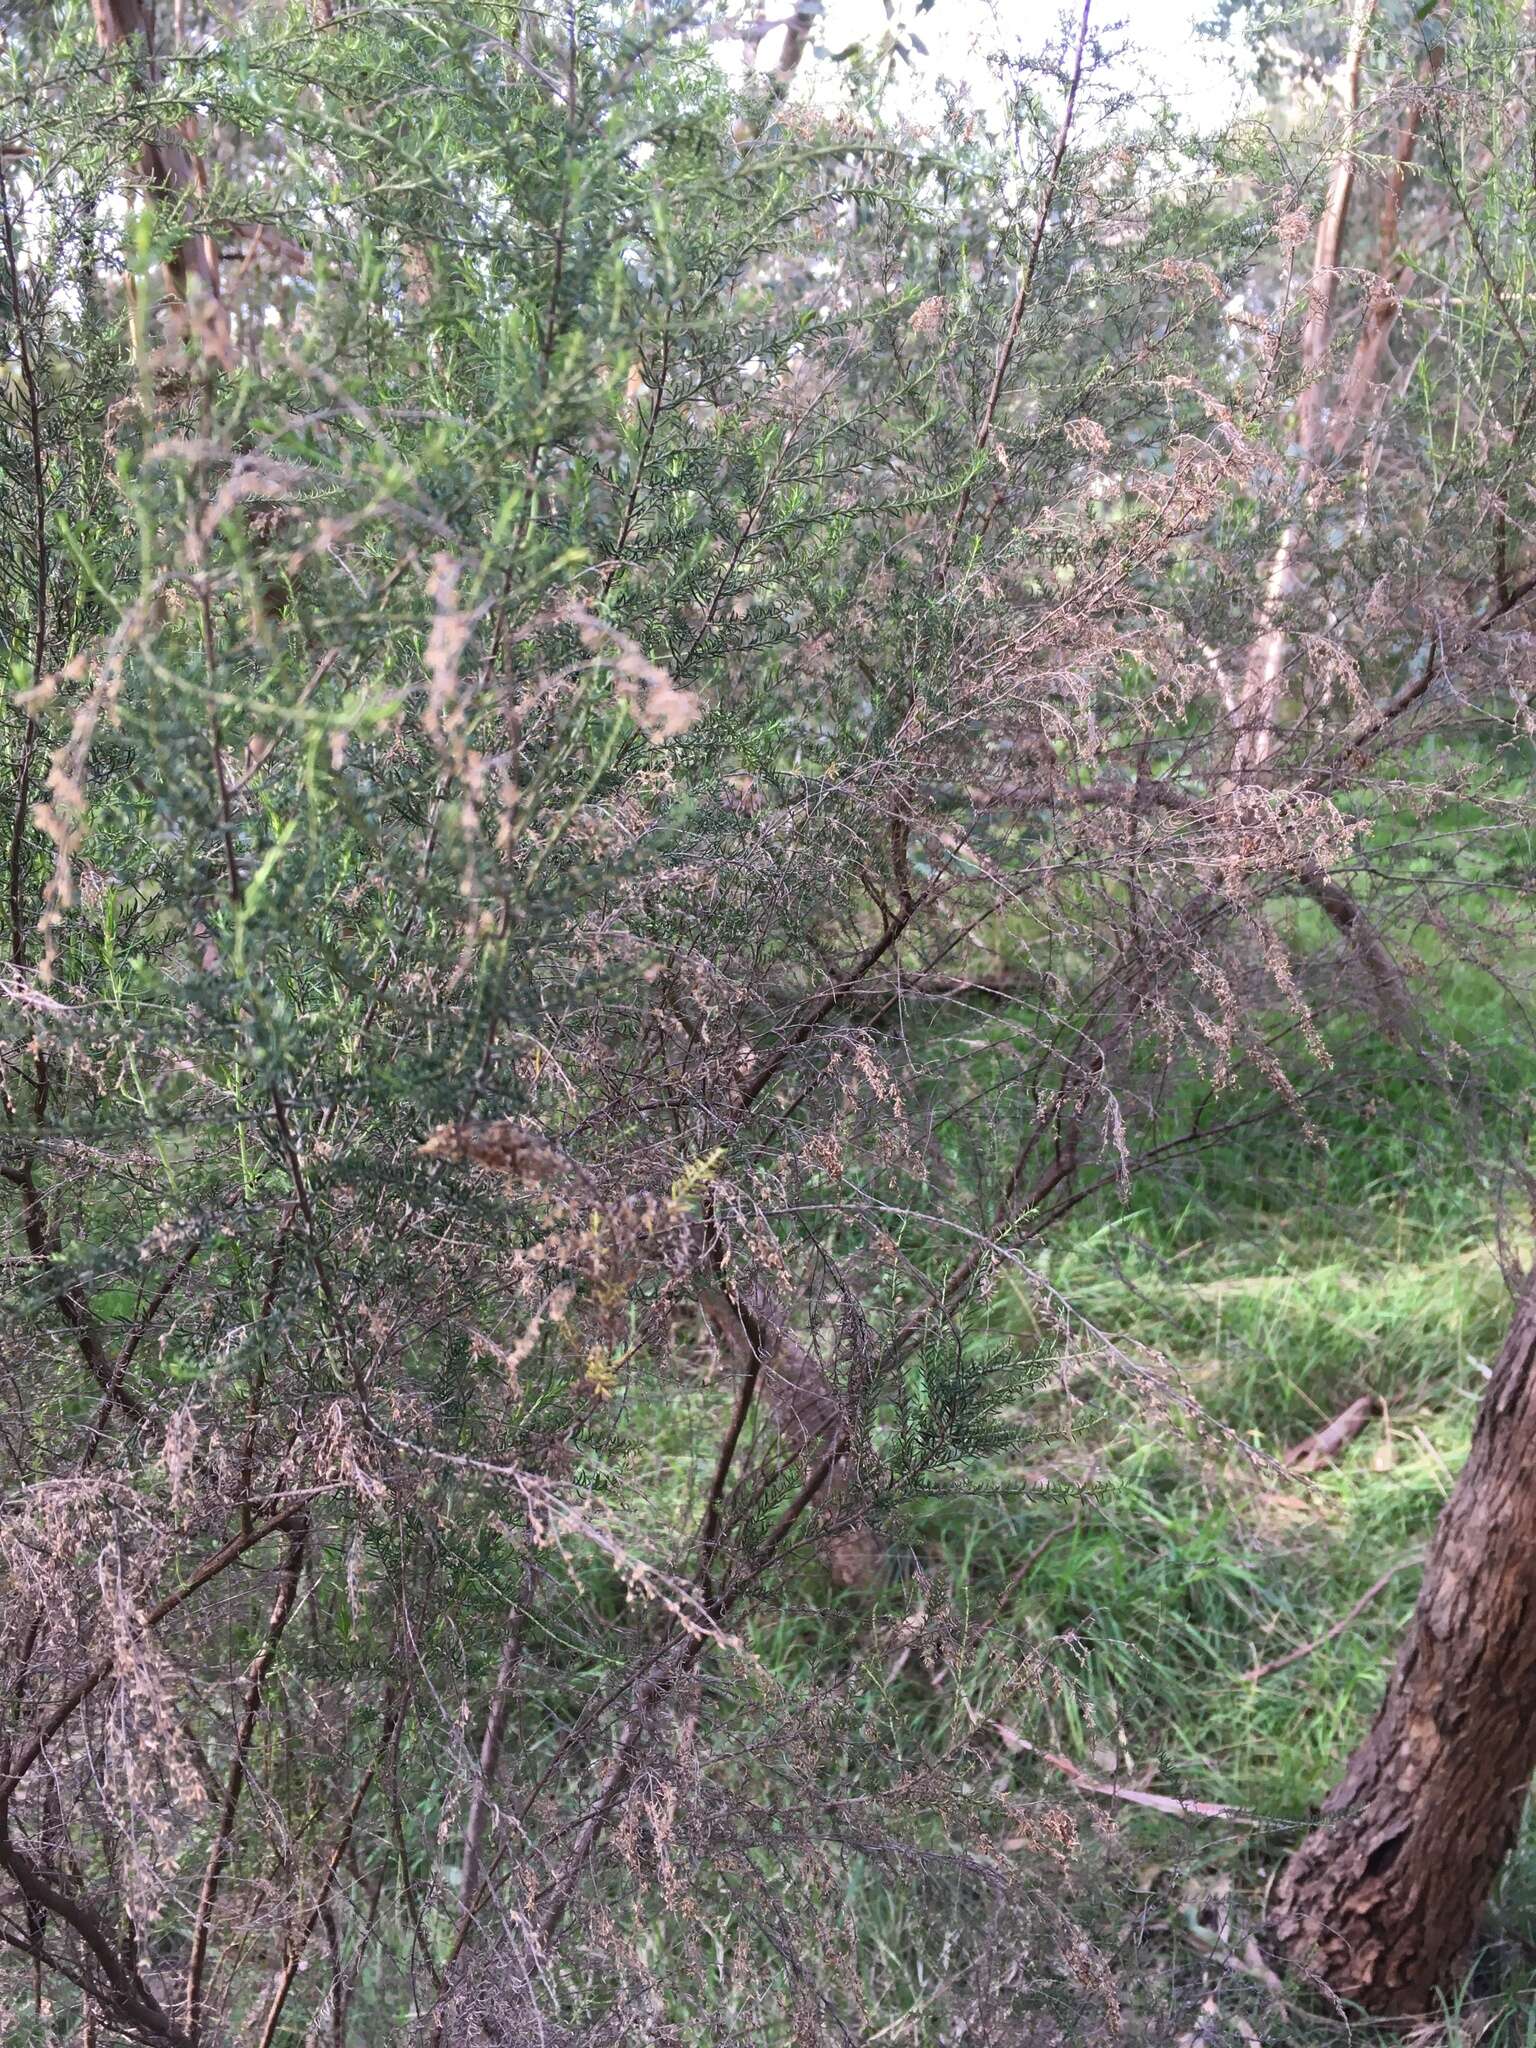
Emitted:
pixel 1383 1899
pixel 1392 270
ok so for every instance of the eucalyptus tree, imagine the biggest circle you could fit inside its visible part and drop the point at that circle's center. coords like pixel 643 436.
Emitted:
pixel 1384 1900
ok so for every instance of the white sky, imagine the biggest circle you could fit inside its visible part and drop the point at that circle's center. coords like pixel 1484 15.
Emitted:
pixel 1197 75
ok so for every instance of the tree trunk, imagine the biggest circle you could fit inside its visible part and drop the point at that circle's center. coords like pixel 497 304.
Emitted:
pixel 1382 1901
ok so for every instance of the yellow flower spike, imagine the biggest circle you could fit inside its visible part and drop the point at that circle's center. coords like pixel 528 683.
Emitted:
pixel 600 1372
pixel 695 1177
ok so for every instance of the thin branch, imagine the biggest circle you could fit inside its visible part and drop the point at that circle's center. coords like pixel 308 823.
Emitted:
pixel 282 1608
pixel 135 2003
pixel 295 1956
pixel 82 1689
pixel 1026 285
pixel 765 1071
pixel 490 1748
pixel 142 1324
pixel 725 1311
pixel 1332 1634
pixel 22 805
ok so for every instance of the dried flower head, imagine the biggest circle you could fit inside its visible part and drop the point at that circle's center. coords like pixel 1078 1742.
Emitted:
pixel 1087 437
pixel 927 320
pixel 1292 228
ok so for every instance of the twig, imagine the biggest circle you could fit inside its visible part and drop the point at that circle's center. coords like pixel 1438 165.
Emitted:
pixel 873 954
pixel 648 1696
pixel 29 382
pixel 218 1855
pixel 78 1693
pixel 1295 1656
pixel 753 1340
pixel 133 2004
pixel 1026 282
pixel 490 1745
pixel 1157 1802
pixel 295 1957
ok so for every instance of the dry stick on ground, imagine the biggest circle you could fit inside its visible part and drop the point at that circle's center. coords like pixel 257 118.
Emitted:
pixel 1325 1444
pixel 1156 1802
pixel 1329 1635
pixel 1130 1795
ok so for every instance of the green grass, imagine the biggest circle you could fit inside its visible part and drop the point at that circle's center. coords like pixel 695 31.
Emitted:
pixel 1134 1566
pixel 1184 1565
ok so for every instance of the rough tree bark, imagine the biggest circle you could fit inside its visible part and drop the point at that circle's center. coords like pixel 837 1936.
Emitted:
pixel 1383 1899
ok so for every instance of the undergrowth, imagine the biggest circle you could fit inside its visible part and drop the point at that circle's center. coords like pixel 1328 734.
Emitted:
pixel 1279 1286
pixel 1123 1581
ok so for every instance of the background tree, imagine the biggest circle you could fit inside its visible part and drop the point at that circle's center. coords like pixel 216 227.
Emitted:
pixel 1386 1898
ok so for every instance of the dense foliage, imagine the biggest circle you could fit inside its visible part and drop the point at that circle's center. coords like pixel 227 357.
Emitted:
pixel 647 736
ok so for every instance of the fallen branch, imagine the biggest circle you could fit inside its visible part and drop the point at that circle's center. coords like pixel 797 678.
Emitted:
pixel 1324 1445
pixel 1295 1656
pixel 1157 1802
